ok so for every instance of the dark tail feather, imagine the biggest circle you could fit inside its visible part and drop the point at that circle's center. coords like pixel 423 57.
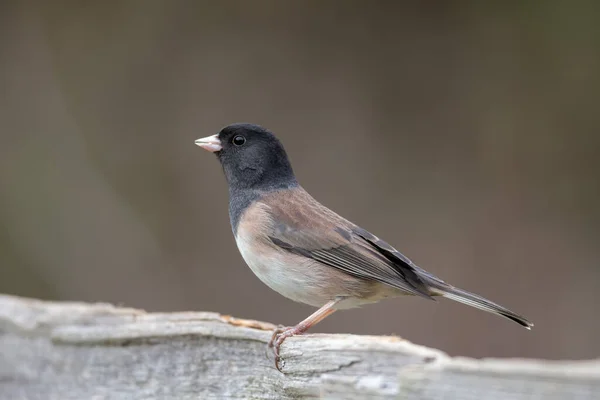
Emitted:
pixel 473 300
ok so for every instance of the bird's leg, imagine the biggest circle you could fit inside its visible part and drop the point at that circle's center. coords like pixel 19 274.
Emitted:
pixel 281 333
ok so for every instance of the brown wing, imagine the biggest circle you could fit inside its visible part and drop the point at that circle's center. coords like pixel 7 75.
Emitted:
pixel 303 226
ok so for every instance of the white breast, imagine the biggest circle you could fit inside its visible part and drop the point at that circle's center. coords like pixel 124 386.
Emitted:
pixel 287 274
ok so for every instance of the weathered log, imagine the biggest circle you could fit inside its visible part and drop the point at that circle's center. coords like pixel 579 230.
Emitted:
pixel 53 350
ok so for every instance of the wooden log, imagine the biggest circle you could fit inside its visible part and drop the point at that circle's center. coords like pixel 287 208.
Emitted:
pixel 54 350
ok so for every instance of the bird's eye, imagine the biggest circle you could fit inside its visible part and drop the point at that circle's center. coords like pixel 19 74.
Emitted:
pixel 239 140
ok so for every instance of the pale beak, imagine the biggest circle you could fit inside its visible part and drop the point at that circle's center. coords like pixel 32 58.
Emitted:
pixel 210 143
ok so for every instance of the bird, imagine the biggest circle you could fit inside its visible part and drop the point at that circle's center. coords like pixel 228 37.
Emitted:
pixel 307 252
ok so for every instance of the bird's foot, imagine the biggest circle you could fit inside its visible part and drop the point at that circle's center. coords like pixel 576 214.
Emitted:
pixel 279 335
pixel 276 331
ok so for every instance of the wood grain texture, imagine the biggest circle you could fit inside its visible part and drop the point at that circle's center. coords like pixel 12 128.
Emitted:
pixel 80 351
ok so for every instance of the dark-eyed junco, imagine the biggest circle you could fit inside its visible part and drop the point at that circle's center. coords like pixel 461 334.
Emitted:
pixel 305 251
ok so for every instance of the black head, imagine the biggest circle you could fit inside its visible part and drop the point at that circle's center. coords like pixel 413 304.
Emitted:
pixel 251 156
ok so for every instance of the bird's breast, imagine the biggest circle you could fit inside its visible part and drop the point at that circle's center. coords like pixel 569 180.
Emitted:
pixel 283 272
pixel 296 277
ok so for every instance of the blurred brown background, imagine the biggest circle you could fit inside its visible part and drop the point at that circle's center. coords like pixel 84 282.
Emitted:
pixel 466 134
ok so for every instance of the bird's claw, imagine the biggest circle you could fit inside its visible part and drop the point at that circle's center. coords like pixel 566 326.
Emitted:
pixel 279 335
pixel 276 331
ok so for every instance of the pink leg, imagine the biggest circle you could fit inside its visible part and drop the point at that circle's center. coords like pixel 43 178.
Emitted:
pixel 280 334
